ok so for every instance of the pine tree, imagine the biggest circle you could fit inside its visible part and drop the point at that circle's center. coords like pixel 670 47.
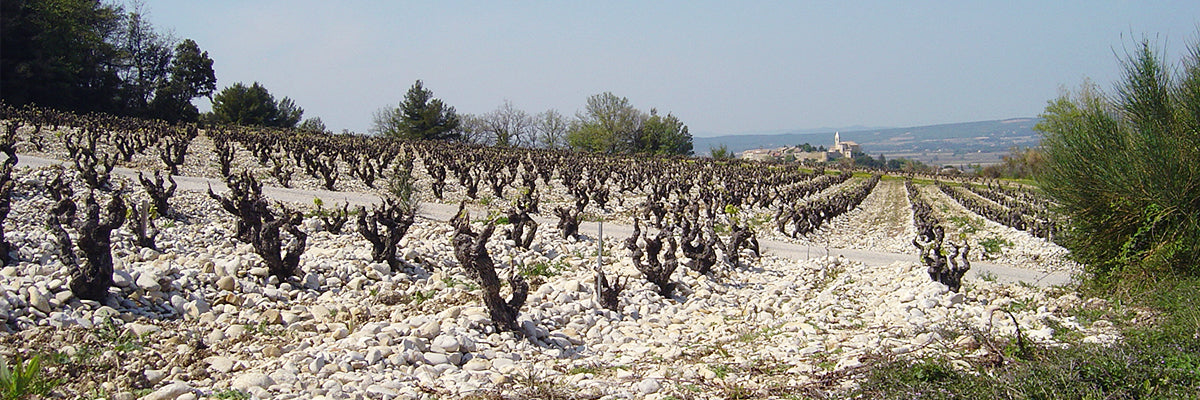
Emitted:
pixel 420 116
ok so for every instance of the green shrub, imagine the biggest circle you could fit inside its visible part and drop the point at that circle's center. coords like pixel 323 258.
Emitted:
pixel 402 186
pixel 1124 169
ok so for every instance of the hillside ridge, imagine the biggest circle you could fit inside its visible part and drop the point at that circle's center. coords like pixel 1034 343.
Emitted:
pixel 993 136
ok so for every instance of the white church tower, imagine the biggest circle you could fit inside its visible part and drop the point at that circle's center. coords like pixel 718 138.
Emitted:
pixel 846 149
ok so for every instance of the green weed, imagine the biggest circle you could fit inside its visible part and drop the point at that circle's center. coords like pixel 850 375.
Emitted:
pixel 121 340
pixel 539 269
pixel 994 244
pixel 1155 360
pixel 24 379
pixel 453 282
pixel 420 297
pixel 232 394
pixel 583 370
pixel 721 370
pixel 966 225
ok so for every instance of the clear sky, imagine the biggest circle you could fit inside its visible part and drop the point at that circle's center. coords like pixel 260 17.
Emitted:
pixel 721 67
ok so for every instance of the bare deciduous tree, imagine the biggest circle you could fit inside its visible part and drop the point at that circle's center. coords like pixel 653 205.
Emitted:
pixel 509 126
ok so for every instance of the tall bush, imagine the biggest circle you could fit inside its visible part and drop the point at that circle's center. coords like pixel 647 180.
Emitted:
pixel 1125 168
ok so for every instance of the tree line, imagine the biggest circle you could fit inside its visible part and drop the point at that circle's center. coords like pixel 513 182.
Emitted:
pixel 87 56
pixel 608 124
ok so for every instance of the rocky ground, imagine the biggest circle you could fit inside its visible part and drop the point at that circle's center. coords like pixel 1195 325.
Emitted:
pixel 200 318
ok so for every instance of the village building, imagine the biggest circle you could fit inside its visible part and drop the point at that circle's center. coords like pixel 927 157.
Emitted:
pixel 844 149
pixel 840 149
pixel 761 154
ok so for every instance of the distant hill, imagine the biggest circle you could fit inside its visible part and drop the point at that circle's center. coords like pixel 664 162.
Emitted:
pixel 967 137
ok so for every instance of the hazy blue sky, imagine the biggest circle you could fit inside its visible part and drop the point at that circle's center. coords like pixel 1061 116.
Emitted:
pixel 721 67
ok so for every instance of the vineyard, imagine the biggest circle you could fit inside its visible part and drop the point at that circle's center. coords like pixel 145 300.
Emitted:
pixel 172 261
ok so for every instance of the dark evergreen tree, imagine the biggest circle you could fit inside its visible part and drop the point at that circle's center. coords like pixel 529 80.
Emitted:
pixel 192 76
pixel 87 55
pixel 253 105
pixel 420 116
pixel 59 54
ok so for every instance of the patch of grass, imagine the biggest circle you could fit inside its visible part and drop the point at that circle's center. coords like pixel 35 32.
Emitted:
pixel 494 216
pixel 232 394
pixel 721 228
pixel 768 367
pixel 1159 360
pixel 97 393
pixel 749 336
pixel 828 276
pixel 988 276
pixel 717 348
pixel 965 224
pixel 120 339
pixel 263 329
pixel 24 379
pixel 1063 333
pixel 530 386
pixel 721 370
pixel 1026 304
pixel 591 254
pixel 994 244
pixel 420 297
pixel 1086 316
pixel 583 370
pixel 85 355
pixel 736 391
pixel 540 269
pixel 764 333
pixel 1080 372
pixel 452 282
pixel 1023 181
pixel 58 357
pixel 591 217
